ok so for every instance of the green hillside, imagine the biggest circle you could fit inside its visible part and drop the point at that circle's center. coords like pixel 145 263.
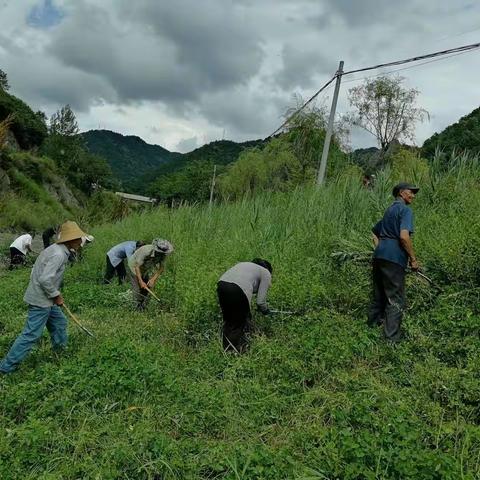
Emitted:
pixel 318 396
pixel 129 157
pixel 28 127
pixel 462 136
pixel 139 164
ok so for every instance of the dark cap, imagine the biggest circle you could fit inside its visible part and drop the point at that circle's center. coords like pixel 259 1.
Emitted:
pixel 404 186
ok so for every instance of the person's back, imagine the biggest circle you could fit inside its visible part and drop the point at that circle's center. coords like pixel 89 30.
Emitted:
pixel 397 217
pixel 46 276
pixel 251 278
pixel 19 249
pixel 22 243
pixel 235 289
pixel 121 251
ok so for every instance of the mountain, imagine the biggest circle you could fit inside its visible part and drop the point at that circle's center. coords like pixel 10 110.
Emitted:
pixel 129 156
pixel 138 164
pixel 461 136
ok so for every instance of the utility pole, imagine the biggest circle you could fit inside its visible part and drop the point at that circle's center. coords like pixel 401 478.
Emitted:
pixel 212 186
pixel 328 134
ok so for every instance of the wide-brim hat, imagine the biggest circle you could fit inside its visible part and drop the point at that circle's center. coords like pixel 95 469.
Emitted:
pixel 161 246
pixel 404 186
pixel 69 231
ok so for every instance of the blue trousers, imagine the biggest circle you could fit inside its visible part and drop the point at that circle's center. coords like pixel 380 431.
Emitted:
pixel 38 318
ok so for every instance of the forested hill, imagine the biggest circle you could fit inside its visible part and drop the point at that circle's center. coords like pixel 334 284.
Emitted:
pixel 462 136
pixel 138 164
pixel 129 156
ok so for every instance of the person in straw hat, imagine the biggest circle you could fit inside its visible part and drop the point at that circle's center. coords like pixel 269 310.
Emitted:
pixel 44 298
pixel 147 260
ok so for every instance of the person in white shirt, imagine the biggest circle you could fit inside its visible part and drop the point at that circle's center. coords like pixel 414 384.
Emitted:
pixel 19 249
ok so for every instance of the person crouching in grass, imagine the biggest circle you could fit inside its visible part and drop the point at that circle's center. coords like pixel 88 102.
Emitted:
pixel 235 290
pixel 147 260
pixel 44 298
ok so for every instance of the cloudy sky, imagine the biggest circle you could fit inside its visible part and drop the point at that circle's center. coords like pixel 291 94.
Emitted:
pixel 185 72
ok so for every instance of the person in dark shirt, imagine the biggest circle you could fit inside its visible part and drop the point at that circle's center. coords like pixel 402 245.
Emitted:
pixel 48 234
pixel 393 252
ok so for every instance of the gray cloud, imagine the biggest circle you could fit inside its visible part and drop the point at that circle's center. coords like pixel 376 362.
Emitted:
pixel 195 68
pixel 159 51
pixel 187 145
pixel 300 66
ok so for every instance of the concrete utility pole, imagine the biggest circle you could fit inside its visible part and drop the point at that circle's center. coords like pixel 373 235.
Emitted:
pixel 328 134
pixel 212 186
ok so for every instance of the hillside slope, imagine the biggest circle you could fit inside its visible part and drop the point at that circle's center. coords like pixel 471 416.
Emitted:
pixel 129 156
pixel 462 136
pixel 319 395
pixel 138 164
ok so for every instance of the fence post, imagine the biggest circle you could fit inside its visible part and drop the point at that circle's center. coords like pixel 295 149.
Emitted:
pixel 212 186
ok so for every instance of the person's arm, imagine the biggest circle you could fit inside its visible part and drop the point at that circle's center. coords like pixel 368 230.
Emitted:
pixel 138 274
pixel 407 244
pixel 48 279
pixel 151 283
pixel 376 233
pixel 265 282
pixel 406 230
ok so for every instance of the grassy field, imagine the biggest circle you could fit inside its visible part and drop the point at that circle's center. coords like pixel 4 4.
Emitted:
pixel 318 396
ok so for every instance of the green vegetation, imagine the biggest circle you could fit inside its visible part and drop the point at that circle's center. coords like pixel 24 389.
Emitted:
pixel 461 137
pixel 146 168
pixel 318 396
pixel 129 157
pixel 28 127
pixel 81 168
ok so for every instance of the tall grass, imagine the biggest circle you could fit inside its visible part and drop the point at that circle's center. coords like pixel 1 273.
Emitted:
pixel 319 395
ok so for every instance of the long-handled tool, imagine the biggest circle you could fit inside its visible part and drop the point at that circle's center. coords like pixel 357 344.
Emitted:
pixel 75 319
pixel 282 312
pixel 153 295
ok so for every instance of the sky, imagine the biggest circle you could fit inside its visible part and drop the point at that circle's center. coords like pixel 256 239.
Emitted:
pixel 186 72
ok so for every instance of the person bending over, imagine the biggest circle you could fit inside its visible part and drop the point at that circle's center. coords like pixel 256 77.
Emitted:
pixel 235 290
pixel 144 268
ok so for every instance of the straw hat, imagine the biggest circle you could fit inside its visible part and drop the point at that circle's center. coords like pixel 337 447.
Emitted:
pixel 69 231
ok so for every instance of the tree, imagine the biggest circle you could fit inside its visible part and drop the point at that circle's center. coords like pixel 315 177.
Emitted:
pixel 4 81
pixel 66 147
pixel 63 122
pixel 387 110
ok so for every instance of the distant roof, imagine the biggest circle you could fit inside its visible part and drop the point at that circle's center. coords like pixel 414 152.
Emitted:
pixel 137 198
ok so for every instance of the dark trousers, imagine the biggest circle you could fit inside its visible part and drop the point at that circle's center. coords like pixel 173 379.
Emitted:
pixel 388 302
pixel 110 272
pixel 16 258
pixel 236 315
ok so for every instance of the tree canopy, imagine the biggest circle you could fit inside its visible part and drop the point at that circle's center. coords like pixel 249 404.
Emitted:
pixel 386 109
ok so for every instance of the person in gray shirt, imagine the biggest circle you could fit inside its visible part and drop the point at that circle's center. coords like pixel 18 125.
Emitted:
pixel 144 268
pixel 235 290
pixel 44 298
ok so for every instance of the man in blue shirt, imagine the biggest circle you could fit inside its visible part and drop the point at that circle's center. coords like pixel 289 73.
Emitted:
pixel 115 260
pixel 393 252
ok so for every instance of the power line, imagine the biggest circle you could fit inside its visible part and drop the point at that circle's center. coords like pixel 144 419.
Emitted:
pixel 313 97
pixel 465 48
pixel 405 68
pixel 454 51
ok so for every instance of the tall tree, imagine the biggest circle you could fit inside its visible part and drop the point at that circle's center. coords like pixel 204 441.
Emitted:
pixel 63 122
pixel 4 85
pixel 387 110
